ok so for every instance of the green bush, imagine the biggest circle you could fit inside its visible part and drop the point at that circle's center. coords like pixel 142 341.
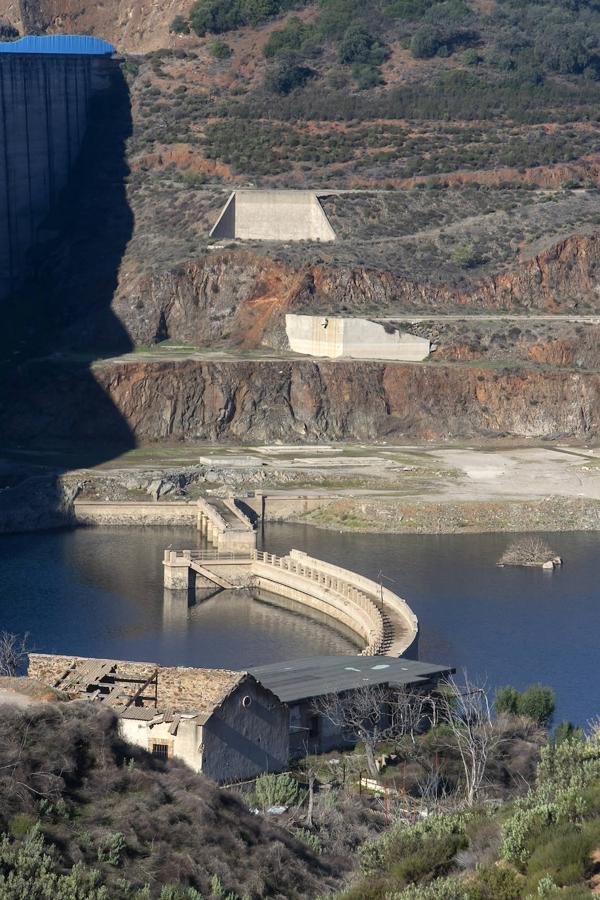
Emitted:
pixel 506 700
pixel 537 702
pixel 112 848
pixel 293 37
pixel 277 790
pixel 497 883
pixel 426 42
pixel 359 46
pixel 179 26
pixel 309 838
pixel 563 853
pixel 21 824
pixel 220 50
pixel 464 255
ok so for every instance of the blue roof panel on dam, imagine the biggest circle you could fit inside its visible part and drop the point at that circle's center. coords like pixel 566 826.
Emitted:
pixel 59 44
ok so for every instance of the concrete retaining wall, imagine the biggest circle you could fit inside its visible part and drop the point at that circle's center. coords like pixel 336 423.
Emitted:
pixel 333 337
pixel 364 621
pixel 273 216
pixel 90 512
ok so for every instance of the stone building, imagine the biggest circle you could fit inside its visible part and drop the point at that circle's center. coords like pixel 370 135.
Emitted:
pixel 221 723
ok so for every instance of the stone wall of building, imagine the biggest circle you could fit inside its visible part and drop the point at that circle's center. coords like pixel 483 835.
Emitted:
pixel 246 736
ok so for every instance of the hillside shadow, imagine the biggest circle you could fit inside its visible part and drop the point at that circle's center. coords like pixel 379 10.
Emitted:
pixel 54 416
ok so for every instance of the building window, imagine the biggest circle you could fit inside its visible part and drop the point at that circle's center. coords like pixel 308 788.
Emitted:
pixel 246 701
pixel 160 750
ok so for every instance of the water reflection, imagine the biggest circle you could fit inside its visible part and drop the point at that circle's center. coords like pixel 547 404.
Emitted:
pixel 99 592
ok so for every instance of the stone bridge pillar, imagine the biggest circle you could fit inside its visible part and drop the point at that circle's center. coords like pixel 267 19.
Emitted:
pixel 178 575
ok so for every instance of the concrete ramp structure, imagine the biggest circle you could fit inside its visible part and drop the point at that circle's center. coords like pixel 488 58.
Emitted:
pixel 354 338
pixel 273 216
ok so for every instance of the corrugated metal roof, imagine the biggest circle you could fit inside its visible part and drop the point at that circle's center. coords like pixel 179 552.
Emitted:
pixel 301 679
pixel 59 44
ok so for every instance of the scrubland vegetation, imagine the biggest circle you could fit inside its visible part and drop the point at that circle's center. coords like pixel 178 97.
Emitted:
pixel 85 816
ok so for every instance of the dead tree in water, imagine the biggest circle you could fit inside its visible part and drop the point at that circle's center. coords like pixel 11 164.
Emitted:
pixel 527 551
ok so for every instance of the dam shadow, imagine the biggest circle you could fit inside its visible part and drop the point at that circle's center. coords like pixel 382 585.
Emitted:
pixel 54 416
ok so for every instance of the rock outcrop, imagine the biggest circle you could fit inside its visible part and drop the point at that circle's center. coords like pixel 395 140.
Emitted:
pixel 241 297
pixel 302 400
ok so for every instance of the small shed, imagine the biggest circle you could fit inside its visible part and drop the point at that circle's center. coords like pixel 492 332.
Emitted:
pixel 299 682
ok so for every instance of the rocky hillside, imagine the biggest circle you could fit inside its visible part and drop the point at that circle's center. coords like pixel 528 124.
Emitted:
pixel 456 146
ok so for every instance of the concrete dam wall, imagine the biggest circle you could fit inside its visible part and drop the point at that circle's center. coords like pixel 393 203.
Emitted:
pixel 44 107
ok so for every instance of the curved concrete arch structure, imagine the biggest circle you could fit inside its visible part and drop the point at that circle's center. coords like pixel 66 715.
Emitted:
pixel 382 619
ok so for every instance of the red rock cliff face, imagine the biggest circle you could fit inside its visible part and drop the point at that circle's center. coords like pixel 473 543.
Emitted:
pixel 305 400
pixel 309 400
pixel 241 297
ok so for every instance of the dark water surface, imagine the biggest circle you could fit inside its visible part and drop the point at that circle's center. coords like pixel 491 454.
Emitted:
pixel 99 592
pixel 513 626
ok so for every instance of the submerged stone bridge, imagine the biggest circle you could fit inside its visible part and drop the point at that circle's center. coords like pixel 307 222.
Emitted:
pixel 379 617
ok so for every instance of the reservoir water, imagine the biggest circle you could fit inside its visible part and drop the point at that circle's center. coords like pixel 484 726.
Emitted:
pixel 99 592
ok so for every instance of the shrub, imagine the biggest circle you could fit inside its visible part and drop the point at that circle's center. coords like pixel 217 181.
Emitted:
pixel 179 26
pixel 287 75
pixel 527 551
pixel 215 16
pixel 359 46
pixel 425 42
pixel 464 255
pixel 506 700
pixel 309 838
pixel 537 703
pixel 277 790
pixel 220 50
pixel 21 824
pixel 112 848
pixel 367 77
pixel 292 37
pixel 498 883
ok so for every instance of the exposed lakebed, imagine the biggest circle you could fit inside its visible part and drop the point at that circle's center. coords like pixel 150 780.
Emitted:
pixel 99 592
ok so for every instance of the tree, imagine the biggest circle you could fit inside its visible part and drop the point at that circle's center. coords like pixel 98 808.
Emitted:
pixel 256 11
pixel 215 16
pixel 13 653
pixel 537 703
pixel 425 42
pixel 373 714
pixel 179 26
pixel 466 710
pixel 356 45
pixel 506 700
